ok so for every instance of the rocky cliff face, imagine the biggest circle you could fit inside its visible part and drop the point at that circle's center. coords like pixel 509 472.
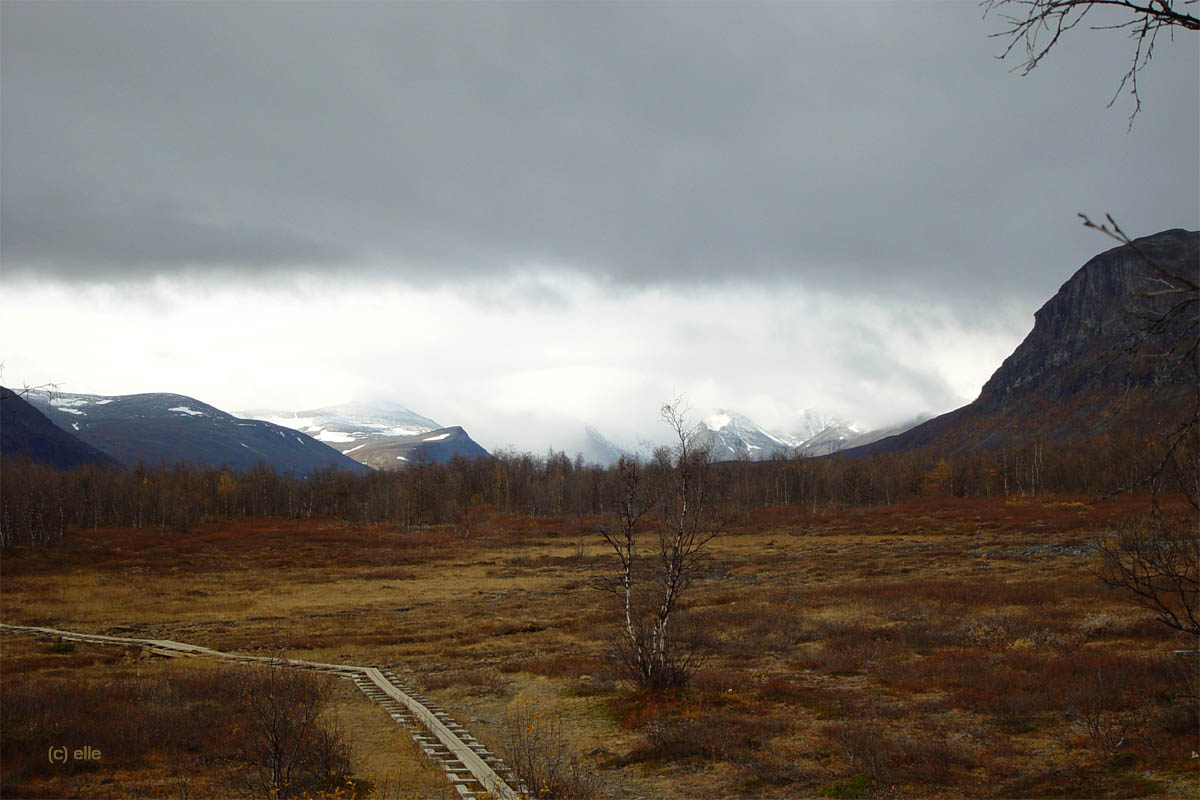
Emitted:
pixel 1087 334
pixel 1091 343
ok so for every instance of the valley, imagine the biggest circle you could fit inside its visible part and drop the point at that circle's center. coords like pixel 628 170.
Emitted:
pixel 939 648
pixel 600 400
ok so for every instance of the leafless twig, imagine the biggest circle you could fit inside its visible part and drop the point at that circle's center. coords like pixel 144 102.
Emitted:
pixel 1035 27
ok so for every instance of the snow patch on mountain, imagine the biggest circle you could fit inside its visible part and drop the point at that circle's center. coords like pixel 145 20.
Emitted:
pixel 62 401
pixel 353 423
pixel 333 437
pixel 155 427
pixel 734 436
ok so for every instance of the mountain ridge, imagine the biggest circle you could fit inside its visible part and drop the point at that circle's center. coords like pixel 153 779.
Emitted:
pixel 1086 367
pixel 381 435
pixel 163 427
pixel 27 432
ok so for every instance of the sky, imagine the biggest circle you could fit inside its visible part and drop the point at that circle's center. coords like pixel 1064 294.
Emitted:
pixel 526 217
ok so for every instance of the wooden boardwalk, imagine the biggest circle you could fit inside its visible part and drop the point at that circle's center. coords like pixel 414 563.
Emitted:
pixel 473 771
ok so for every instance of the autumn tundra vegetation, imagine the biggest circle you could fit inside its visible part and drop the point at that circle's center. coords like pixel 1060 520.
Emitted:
pixel 40 504
pixel 988 623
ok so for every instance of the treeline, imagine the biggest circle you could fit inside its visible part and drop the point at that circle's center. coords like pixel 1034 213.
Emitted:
pixel 39 505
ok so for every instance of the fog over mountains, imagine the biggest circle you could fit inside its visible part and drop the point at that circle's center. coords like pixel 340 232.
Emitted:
pixel 1091 365
pixel 531 219
pixel 65 429
pixel 349 423
pixel 382 435
pixel 368 431
pixel 380 432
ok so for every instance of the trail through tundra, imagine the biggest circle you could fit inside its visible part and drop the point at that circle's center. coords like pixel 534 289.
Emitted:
pixel 471 768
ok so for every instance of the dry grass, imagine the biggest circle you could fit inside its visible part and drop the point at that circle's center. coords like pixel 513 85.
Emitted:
pixel 932 649
pixel 169 728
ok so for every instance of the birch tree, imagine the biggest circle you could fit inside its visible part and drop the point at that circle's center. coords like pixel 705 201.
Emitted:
pixel 663 524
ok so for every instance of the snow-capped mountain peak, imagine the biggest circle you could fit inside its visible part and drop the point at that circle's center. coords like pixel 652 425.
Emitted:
pixel 812 422
pixel 350 423
pixel 733 436
pixel 383 435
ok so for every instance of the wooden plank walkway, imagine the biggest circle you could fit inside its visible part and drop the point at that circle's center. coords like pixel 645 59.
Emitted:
pixel 474 772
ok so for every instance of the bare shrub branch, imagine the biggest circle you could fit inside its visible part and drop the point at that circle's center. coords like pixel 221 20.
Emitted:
pixel 1156 567
pixel 290 746
pixel 1034 27
pixel 536 748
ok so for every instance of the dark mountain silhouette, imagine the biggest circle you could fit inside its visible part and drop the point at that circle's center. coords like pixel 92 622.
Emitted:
pixel 27 432
pixel 161 428
pixel 1095 361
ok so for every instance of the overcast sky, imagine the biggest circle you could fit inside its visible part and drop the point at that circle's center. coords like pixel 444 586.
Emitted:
pixel 522 217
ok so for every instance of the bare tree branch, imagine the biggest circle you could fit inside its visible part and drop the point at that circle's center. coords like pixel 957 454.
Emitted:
pixel 1035 27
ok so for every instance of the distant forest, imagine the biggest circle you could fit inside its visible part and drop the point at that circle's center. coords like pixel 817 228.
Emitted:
pixel 40 505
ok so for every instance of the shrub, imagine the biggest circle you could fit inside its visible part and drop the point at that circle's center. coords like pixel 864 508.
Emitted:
pixel 1099 705
pixel 927 756
pixel 167 717
pixel 849 653
pixel 865 747
pixel 289 746
pixel 932 757
pixel 536 748
pixel 782 690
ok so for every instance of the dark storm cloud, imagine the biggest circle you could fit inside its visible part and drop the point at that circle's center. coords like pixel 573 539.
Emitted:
pixel 852 146
pixel 59 234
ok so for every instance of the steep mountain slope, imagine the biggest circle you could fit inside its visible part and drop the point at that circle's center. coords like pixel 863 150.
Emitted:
pixel 830 440
pixel 734 436
pixel 596 448
pixel 380 435
pixel 1089 365
pixel 812 422
pixel 171 428
pixel 838 437
pixel 25 431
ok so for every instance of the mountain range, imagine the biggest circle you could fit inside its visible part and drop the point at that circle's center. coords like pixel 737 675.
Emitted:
pixel 160 428
pixel 734 436
pixel 349 423
pixel 381 435
pixel 1093 363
